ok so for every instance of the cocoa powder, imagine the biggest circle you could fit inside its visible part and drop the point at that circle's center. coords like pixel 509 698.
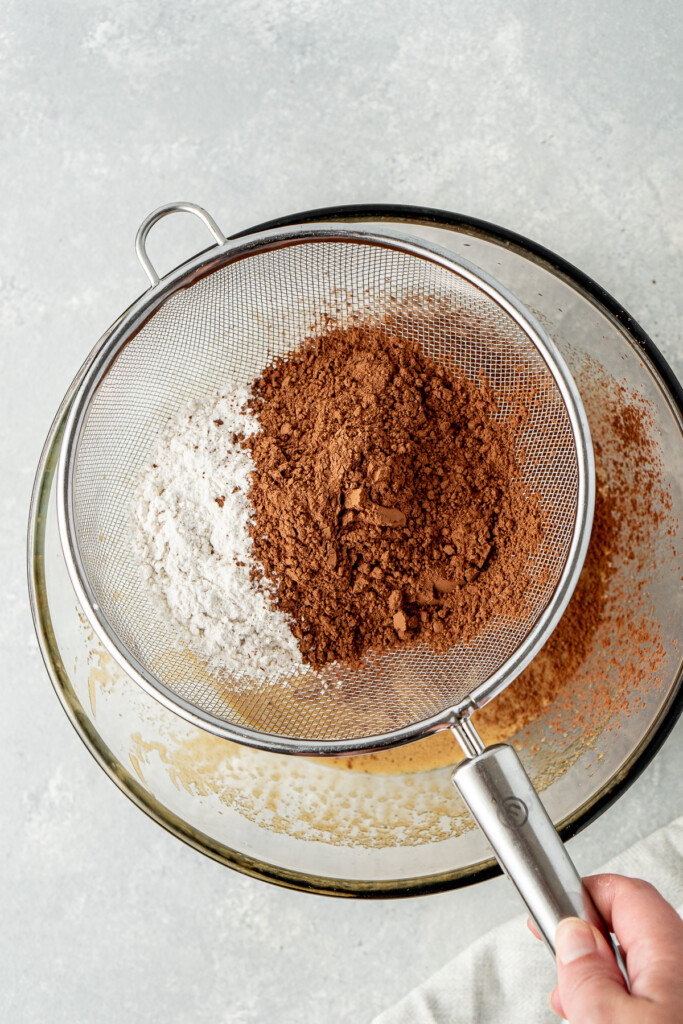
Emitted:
pixel 387 497
pixel 608 645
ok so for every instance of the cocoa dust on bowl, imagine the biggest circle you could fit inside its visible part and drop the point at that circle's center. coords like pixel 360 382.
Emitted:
pixel 358 497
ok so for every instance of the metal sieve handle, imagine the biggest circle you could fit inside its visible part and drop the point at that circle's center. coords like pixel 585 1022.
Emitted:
pixel 496 788
pixel 164 211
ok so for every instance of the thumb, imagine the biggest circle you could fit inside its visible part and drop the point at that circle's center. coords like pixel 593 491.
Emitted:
pixel 591 986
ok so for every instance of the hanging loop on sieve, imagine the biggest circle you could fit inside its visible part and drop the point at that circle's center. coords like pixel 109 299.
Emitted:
pixel 163 211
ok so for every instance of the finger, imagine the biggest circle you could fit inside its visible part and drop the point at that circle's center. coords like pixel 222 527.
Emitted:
pixel 590 984
pixel 531 925
pixel 649 930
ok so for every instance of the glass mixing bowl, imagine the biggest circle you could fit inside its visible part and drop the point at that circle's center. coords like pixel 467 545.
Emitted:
pixel 316 826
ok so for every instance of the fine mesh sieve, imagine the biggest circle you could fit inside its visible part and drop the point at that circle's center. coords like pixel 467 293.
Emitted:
pixel 222 329
pixel 219 320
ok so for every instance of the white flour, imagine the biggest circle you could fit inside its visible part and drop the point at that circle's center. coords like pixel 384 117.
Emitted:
pixel 196 551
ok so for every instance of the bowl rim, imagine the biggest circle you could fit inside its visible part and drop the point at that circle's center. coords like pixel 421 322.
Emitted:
pixel 582 816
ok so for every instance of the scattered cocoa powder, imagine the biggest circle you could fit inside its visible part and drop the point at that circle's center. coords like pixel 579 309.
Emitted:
pixel 607 647
pixel 388 499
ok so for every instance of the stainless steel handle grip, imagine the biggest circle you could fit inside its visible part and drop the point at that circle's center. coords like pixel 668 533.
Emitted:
pixel 501 798
pixel 164 211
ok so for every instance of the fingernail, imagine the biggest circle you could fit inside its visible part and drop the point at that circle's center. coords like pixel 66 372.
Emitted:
pixel 573 939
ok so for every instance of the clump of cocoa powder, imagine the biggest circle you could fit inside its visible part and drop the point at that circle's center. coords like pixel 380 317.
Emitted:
pixel 387 496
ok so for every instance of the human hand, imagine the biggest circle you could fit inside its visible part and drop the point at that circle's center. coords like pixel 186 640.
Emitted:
pixel 591 989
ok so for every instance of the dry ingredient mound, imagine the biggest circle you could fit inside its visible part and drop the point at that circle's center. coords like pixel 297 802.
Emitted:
pixel 191 534
pixel 388 504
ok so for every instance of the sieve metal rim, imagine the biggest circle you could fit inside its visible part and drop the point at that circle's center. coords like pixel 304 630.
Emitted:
pixel 206 263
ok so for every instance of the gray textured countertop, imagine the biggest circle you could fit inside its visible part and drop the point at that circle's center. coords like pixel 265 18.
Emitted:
pixel 560 122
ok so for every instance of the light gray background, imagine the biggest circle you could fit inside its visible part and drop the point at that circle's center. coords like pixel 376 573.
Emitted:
pixel 560 121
